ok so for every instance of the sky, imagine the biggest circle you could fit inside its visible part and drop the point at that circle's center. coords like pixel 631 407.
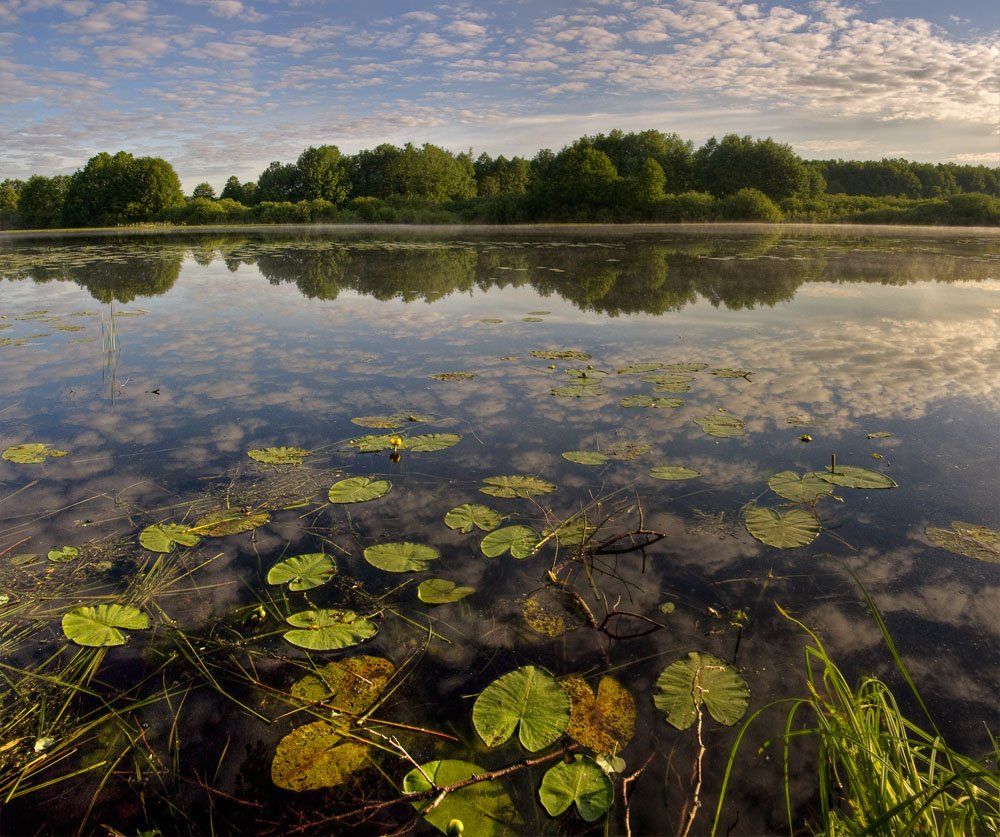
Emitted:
pixel 222 87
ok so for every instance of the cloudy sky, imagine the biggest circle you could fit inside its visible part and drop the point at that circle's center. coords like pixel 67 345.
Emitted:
pixel 222 87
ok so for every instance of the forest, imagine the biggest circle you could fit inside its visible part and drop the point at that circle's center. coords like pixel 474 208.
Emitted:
pixel 618 177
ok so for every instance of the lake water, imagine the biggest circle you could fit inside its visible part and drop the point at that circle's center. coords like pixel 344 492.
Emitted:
pixel 156 363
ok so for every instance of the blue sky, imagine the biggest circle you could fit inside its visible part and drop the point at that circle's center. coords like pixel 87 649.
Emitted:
pixel 223 87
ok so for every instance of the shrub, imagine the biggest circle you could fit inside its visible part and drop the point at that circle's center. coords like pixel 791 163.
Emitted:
pixel 749 205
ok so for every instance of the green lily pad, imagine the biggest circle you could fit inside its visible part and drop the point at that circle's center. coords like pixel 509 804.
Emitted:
pixel 572 532
pixel 430 442
pixel 485 809
pixel 879 434
pixel 605 722
pixel 164 537
pixel 630 401
pixel 374 443
pixel 586 374
pixel 278 456
pixel 851 476
pixel 782 529
pixel 328 629
pixel 101 625
pixel 626 450
pixel 380 422
pixel 401 557
pixel 521 541
pixel 539 313
pixel 560 354
pixel 24 558
pixel 701 679
pixel 358 490
pixel 66 553
pixel 316 755
pixel 581 782
pixel 491 320
pixel 350 685
pixel 469 516
pixel 581 389
pixel 554 611
pixel 303 572
pixel 640 368
pixel 453 376
pixel 967 539
pixel 516 485
pixel 804 489
pixel 532 320
pixel 224 522
pixel 528 699
pixel 435 591
pixel 673 472
pixel 585 457
pixel 728 372
pixel 31 453
pixel 674 386
pixel 722 425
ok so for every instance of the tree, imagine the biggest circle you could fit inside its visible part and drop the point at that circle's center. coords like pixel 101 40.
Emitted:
pixel 578 178
pixel 500 176
pixel 322 174
pixel 629 152
pixel 121 189
pixel 646 186
pixel 371 171
pixel 278 182
pixel 204 190
pixel 42 201
pixel 735 163
pixel 10 191
pixel 233 190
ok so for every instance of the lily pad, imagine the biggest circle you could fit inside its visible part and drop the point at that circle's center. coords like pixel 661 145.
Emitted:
pixel 328 629
pixel 626 450
pixel 581 782
pixel 879 434
pixel 164 537
pixel 380 422
pixel 374 443
pixel 674 386
pixel 61 556
pixel 572 532
pixel 316 755
pixel 701 679
pixel 401 557
pixel 804 489
pixel 469 516
pixel 851 476
pixel 278 456
pixel 350 685
pixel 435 591
pixel 686 366
pixel 560 354
pixel 585 457
pixel 554 611
pixel 358 490
pixel 673 472
pixel 491 320
pixel 521 541
pixel 967 539
pixel 639 368
pixel 630 401
pixel 722 425
pixel 516 485
pixel 527 699
pixel 430 442
pixel 101 625
pixel 229 522
pixel 581 389
pixel 782 529
pixel 453 376
pixel 728 372
pixel 31 453
pixel 485 809
pixel 605 722
pixel 586 374
pixel 303 572
pixel 532 320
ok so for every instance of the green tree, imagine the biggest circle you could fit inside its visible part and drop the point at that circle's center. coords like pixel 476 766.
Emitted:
pixel 10 191
pixel 42 201
pixel 233 190
pixel 371 171
pixel 322 174
pixel 577 179
pixel 121 189
pixel 646 186
pixel 278 182
pixel 724 167
pixel 432 173
pixel 500 176
pixel 629 152
pixel 204 190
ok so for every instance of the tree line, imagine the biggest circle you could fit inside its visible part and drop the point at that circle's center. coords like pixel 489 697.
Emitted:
pixel 613 177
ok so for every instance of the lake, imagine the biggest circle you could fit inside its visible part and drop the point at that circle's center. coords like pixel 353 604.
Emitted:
pixel 640 387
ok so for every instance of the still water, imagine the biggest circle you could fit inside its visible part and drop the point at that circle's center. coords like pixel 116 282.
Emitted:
pixel 157 363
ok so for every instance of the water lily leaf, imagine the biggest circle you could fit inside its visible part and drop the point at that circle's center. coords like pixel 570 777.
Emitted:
pixel 401 557
pixel 468 516
pixel 61 556
pixel 701 679
pixel 350 685
pixel 728 372
pixel 581 782
pixel 435 591
pixel 453 376
pixel 316 756
pixel 430 442
pixel 554 611
pixel 673 472
pixel 373 443
pixel 532 320
pixel 585 457
pixel 491 320
pixel 485 809
pixel 516 485
pixel 665 378
pixel 358 490
pixel 328 629
pixel 560 354
pixel 24 558
pixel 722 425
pixel 278 456
pixel 580 389
pixel 649 401
pixel 804 489
pixel 639 368
pixel 521 541
pixel 605 722
pixel 539 313
pixel 380 422
pixel 967 539
pixel 626 451
pixel 674 386
pixel 851 476
pixel 163 537
pixel 784 530
pixel 528 699
pixel 101 625
pixel 879 434
pixel 690 366
pixel 224 522
pixel 303 572
pixel 572 532
pixel 586 374
pixel 31 453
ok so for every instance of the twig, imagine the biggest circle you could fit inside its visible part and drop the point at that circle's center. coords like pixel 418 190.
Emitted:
pixel 628 780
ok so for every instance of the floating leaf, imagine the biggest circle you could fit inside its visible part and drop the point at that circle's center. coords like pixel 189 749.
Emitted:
pixel 667 608
pixel 701 679
pixel 581 389
pixel 554 611
pixel 435 591
pixel 528 699
pixel 491 320
pixel 350 685
pixel 401 557
pixel 586 374
pixel 784 530
pixel 722 425
pixel 100 626
pixel 690 366
pixel 879 434
pixel 649 401
pixel 453 376
pixel 485 809
pixel 358 490
pixel 639 368
pixel 585 457
pixel 469 516
pixel 532 320
pixel 539 313
pixel 380 422
pixel 673 472
pixel 31 453
pixel 316 756
pixel 430 442
pixel 851 476
pixel 303 572
pixel 163 537
pixel 516 485
pixel 560 354
pixel 626 451
pixel 278 456
pixel 61 556
pixel 728 372
pixel 572 532
pixel 967 539
pixel 24 558
pixel 581 782
pixel 229 522
pixel 674 386
pixel 521 541
pixel 328 629
pixel 804 489
pixel 605 722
